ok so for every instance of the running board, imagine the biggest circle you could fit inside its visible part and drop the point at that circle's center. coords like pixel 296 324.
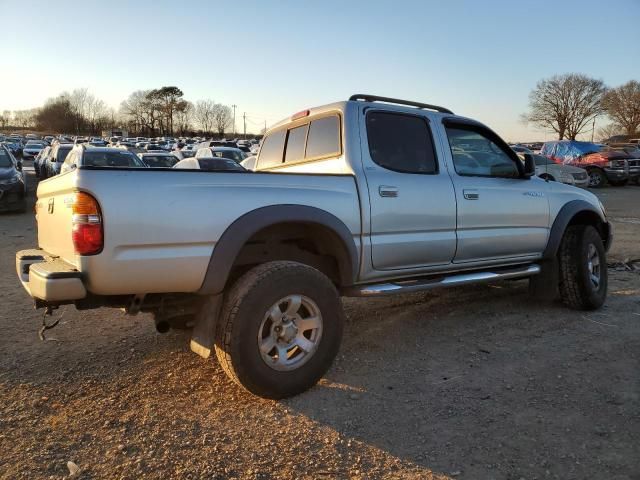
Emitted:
pixel 454 280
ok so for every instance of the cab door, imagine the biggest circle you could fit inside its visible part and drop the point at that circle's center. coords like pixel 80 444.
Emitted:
pixel 411 196
pixel 501 214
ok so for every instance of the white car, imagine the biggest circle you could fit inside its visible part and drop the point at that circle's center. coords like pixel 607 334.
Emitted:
pixel 32 149
pixel 221 152
pixel 210 163
pixel 556 172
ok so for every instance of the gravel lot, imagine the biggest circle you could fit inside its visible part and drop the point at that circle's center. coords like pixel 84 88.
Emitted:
pixel 477 382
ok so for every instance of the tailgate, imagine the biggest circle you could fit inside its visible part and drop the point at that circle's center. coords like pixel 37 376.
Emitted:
pixel 54 216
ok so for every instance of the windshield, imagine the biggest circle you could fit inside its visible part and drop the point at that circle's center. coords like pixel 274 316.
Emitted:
pixel 232 154
pixel 540 160
pixel 111 159
pixel 5 160
pixel 62 154
pixel 160 161
pixel 219 164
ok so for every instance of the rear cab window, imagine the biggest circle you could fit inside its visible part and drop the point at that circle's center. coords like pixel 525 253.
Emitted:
pixel 318 138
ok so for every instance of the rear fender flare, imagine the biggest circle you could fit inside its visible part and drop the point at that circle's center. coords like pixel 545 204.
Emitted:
pixel 236 235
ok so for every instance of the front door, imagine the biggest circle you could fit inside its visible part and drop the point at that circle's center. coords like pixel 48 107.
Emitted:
pixel 501 215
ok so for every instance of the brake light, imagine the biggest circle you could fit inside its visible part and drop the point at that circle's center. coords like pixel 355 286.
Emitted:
pixel 88 238
pixel 302 114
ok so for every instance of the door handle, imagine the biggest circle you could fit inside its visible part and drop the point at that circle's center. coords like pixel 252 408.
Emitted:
pixel 387 191
pixel 471 194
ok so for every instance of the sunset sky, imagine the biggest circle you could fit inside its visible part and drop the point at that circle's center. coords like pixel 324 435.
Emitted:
pixel 272 58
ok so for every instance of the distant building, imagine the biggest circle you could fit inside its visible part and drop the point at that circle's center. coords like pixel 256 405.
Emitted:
pixel 115 132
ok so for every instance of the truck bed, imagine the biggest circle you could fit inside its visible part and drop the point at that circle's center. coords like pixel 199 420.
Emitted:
pixel 161 225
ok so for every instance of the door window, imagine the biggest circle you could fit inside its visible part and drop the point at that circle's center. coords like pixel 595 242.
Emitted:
pixel 295 144
pixel 476 154
pixel 272 150
pixel 401 143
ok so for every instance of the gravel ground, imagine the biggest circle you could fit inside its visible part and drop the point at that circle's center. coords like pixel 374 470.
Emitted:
pixel 478 382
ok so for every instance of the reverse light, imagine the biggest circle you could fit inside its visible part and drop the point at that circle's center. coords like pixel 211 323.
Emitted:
pixel 88 238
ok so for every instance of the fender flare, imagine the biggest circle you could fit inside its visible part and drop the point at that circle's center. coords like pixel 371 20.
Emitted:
pixel 564 217
pixel 236 235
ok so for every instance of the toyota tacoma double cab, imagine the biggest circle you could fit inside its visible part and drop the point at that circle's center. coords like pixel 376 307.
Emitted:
pixel 366 197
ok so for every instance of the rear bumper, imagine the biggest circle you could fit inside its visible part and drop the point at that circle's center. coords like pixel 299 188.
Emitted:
pixel 49 278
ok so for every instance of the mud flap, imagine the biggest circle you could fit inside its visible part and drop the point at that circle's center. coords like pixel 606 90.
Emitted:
pixel 204 330
pixel 544 286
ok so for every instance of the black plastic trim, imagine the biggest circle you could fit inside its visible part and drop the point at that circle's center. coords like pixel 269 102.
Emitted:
pixel 375 98
pixel 564 217
pixel 237 234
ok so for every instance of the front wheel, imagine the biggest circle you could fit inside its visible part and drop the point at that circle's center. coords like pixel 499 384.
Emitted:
pixel 280 329
pixel 583 268
pixel 597 178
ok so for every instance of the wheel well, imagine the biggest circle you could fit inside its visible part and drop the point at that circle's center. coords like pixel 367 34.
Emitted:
pixel 588 217
pixel 308 243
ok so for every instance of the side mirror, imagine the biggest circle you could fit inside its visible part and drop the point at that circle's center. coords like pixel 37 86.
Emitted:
pixel 529 166
pixel 19 165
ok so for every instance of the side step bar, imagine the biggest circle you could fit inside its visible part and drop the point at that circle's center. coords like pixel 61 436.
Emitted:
pixel 454 280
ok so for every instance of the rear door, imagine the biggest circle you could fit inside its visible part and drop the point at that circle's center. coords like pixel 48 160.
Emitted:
pixel 501 215
pixel 412 200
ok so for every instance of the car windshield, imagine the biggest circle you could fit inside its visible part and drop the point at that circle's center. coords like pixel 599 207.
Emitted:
pixel 160 161
pixel 5 160
pixel 540 160
pixel 238 156
pixel 35 144
pixel 111 159
pixel 62 154
pixel 222 164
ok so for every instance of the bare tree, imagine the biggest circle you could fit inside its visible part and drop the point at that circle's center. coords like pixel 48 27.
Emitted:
pixel 5 118
pixel 608 131
pixel 622 104
pixel 565 104
pixel 184 115
pixel 203 113
pixel 140 111
pixel 222 118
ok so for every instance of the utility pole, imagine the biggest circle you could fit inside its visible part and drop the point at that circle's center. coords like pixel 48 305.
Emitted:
pixel 234 119
pixel 265 127
pixel 244 118
pixel 593 128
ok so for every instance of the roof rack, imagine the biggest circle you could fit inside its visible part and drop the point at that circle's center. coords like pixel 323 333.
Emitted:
pixel 375 98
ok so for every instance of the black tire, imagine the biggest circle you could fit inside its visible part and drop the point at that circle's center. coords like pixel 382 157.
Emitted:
pixel 621 183
pixel 246 305
pixel 597 178
pixel 577 290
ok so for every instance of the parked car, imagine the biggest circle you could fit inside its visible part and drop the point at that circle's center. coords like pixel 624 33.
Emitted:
pixel 604 165
pixel 13 186
pixel 100 157
pixel 521 149
pixel 366 197
pixel 56 157
pixel 217 164
pixel 158 159
pixel 40 159
pixel 222 152
pixel 547 169
pixel 14 145
pixel 32 149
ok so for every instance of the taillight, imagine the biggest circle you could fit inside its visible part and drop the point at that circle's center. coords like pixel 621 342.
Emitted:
pixel 87 233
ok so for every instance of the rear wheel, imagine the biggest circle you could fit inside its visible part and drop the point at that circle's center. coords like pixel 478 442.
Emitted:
pixel 281 327
pixel 583 268
pixel 597 178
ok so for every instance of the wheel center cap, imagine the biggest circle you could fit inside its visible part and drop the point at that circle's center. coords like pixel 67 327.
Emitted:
pixel 286 331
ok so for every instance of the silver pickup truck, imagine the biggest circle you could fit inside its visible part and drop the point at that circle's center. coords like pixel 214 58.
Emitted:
pixel 366 197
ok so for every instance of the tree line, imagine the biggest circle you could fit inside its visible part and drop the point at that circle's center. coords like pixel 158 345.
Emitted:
pixel 161 111
pixel 569 104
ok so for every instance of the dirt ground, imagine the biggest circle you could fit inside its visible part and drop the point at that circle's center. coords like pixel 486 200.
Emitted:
pixel 474 383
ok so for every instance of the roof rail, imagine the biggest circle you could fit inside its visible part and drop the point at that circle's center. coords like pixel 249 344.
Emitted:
pixel 375 98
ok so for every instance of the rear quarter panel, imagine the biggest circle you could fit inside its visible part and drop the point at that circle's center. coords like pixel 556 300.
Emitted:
pixel 161 227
